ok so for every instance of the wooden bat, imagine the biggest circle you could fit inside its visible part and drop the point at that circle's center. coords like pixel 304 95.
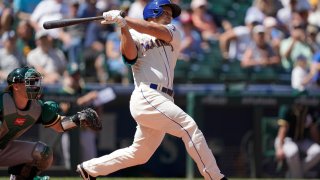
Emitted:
pixel 73 21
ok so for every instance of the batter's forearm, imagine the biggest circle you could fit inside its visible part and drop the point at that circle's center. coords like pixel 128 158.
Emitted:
pixel 128 46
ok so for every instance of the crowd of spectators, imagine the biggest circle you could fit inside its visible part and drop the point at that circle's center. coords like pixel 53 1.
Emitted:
pixel 270 39
pixel 273 36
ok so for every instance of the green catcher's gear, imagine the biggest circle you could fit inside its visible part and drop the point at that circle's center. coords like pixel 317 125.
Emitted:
pixel 30 77
pixel 17 75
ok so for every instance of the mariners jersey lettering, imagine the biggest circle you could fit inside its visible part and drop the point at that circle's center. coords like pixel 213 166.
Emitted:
pixel 156 58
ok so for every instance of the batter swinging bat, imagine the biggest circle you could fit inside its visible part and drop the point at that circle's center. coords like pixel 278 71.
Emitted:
pixel 73 21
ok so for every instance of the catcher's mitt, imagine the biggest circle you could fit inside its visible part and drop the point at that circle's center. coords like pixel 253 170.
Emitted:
pixel 89 118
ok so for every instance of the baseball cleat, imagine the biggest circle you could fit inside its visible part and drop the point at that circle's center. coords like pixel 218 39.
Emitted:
pixel 83 173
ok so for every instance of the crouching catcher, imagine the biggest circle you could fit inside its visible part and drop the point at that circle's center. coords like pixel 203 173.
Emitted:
pixel 21 108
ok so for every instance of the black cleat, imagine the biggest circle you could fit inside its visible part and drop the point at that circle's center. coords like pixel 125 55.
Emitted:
pixel 83 173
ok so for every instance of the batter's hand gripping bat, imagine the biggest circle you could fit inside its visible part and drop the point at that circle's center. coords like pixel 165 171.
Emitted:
pixel 73 21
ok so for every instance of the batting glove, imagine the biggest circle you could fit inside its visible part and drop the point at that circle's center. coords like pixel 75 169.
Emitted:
pixel 114 16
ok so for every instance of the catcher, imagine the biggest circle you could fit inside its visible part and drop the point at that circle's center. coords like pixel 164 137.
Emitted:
pixel 20 109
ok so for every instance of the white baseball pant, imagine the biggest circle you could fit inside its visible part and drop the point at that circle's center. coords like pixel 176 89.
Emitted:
pixel 156 114
pixel 298 167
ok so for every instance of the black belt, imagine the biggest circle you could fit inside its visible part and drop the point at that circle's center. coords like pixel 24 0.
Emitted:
pixel 163 89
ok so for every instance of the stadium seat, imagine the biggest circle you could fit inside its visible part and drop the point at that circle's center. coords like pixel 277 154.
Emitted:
pixel 263 75
pixel 232 72
pixel 181 71
pixel 201 73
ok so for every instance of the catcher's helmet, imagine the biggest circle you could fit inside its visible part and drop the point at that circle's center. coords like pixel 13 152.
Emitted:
pixel 17 75
pixel 30 77
pixel 154 9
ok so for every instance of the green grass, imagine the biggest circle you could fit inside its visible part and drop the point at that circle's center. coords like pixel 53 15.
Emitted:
pixel 78 178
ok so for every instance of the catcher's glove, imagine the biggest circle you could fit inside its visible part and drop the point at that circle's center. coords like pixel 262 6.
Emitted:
pixel 89 118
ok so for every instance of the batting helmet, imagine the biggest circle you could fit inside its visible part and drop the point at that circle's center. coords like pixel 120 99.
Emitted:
pixel 154 9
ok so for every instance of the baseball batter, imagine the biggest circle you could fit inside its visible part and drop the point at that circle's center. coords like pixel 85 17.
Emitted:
pixel 151 47
pixel 20 109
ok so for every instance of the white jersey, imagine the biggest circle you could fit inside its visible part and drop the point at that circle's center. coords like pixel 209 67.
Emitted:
pixel 156 58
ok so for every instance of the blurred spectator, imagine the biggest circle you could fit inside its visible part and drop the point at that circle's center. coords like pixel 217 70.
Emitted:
pixel 297 142
pixel 259 53
pixel 136 9
pixel 10 58
pixel 294 46
pixel 74 85
pixel 93 54
pixel 25 41
pixel 191 39
pixel 315 71
pixel 204 21
pixel 314 13
pixel 88 9
pixel 299 74
pixel 274 34
pixel 6 16
pixel 118 71
pixel 285 14
pixel 259 9
pixel 48 10
pixel 24 8
pixel 49 61
pixel 74 46
pixel 312 33
pixel 235 41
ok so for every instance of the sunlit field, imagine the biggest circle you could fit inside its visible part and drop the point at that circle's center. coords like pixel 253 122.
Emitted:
pixel 78 178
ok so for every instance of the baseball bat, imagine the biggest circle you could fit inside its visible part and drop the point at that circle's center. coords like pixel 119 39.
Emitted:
pixel 73 21
pixel 69 22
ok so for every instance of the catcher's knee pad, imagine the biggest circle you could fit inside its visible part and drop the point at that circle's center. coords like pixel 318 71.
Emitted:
pixel 42 155
pixel 42 159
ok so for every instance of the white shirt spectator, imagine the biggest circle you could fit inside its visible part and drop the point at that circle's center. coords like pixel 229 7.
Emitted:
pixel 136 9
pixel 238 46
pixel 298 76
pixel 48 10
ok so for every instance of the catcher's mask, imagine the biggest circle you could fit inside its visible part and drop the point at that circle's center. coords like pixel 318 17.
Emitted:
pixel 30 77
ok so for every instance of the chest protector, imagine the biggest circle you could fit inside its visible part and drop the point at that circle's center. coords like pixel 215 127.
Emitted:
pixel 16 122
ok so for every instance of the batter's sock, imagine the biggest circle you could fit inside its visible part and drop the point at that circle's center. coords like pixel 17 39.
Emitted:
pixel 83 173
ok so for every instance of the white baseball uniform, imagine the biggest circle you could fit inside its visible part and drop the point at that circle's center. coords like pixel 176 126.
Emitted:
pixel 152 106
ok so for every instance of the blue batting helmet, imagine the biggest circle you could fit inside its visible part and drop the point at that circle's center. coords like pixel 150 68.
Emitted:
pixel 154 9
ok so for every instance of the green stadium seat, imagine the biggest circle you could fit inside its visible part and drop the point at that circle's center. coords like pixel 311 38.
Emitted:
pixel 264 75
pixel 181 71
pixel 232 72
pixel 201 73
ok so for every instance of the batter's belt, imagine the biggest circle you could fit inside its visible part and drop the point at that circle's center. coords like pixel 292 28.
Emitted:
pixel 160 88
